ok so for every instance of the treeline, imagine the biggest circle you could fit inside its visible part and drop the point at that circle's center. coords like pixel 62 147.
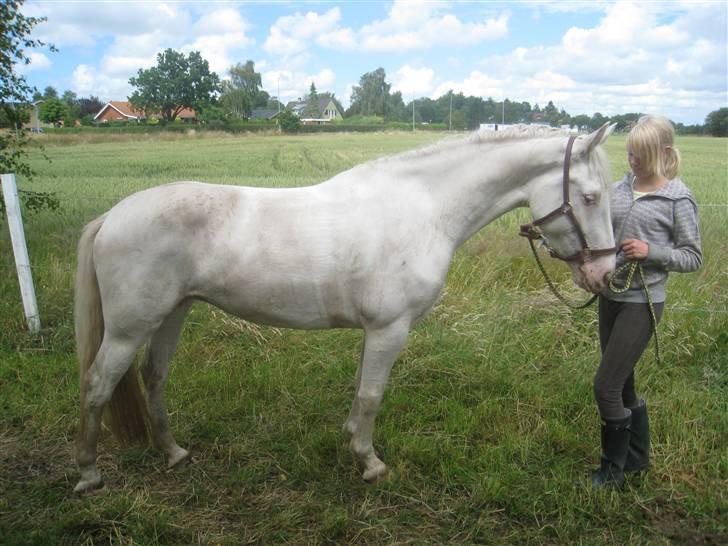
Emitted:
pixel 373 97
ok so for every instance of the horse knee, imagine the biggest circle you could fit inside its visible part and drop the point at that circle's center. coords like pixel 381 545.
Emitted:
pixel 368 402
pixel 97 391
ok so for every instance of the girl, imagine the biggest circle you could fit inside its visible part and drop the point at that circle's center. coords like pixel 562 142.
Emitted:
pixel 655 221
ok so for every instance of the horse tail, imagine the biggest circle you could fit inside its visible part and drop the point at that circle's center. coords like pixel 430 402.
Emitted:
pixel 127 408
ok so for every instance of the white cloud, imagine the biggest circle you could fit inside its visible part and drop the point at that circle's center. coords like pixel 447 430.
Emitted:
pixel 38 61
pixel 630 61
pixel 83 23
pixel 413 81
pixel 220 36
pixel 292 33
pixel 86 81
pixel 418 25
pixel 83 80
pixel 476 84
pixel 294 85
pixel 409 25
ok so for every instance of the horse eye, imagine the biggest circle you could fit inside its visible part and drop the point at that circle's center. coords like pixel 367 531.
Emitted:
pixel 591 198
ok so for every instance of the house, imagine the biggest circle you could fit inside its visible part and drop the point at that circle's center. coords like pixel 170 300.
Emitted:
pixel 327 111
pixel 118 111
pixel 124 111
pixel 264 114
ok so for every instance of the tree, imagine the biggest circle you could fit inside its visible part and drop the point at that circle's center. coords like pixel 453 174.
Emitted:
pixel 581 121
pixel 89 106
pixel 240 94
pixel 396 109
pixel 597 120
pixel 716 123
pixel 50 92
pixel 53 111
pixel 69 97
pixel 177 82
pixel 15 43
pixel 288 121
pixel 369 98
pixel 312 104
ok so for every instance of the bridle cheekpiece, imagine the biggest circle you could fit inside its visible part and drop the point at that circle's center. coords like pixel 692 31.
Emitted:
pixel 533 231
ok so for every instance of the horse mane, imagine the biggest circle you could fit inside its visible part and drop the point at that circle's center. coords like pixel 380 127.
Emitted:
pixel 520 131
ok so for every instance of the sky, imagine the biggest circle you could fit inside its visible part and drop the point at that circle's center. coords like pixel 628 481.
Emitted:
pixel 613 57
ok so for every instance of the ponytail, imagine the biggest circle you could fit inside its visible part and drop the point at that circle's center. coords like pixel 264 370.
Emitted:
pixel 671 162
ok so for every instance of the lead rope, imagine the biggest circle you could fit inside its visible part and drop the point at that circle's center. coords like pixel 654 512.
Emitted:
pixel 631 267
pixel 553 288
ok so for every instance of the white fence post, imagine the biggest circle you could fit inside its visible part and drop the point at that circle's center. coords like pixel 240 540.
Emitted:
pixel 22 262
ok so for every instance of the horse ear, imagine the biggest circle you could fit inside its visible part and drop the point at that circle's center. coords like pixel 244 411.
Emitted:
pixel 598 137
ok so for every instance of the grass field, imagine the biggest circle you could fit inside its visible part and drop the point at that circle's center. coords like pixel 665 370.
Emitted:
pixel 487 422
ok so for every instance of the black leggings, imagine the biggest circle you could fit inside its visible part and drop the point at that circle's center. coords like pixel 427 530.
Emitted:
pixel 624 332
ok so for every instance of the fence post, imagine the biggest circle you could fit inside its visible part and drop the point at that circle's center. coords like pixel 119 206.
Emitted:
pixel 20 250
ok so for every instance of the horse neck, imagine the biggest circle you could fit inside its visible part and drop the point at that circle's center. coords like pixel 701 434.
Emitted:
pixel 474 186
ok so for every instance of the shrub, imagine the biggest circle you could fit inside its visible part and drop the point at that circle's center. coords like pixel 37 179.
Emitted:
pixel 289 122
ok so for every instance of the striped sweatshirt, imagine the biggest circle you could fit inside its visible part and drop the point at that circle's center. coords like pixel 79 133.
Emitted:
pixel 668 220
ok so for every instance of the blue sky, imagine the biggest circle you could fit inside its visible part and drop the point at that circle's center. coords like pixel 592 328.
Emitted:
pixel 660 57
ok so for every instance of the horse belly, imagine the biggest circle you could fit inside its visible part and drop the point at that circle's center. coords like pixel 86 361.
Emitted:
pixel 261 274
pixel 282 300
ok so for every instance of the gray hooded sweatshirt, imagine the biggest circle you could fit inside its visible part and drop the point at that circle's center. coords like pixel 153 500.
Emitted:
pixel 668 220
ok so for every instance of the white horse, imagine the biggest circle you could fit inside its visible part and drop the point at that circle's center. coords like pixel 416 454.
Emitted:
pixel 370 248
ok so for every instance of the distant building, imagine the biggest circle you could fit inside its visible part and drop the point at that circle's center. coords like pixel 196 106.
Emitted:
pixel 493 126
pixel 124 111
pixel 266 114
pixel 326 111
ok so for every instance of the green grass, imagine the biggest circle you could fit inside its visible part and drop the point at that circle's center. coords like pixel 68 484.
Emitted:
pixel 487 422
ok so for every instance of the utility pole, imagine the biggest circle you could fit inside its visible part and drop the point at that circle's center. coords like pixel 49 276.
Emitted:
pixel 450 129
pixel 413 112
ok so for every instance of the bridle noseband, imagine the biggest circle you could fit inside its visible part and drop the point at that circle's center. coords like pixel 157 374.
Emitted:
pixel 533 231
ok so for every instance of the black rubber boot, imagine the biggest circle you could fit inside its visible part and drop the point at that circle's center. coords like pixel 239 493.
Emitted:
pixel 615 444
pixel 638 454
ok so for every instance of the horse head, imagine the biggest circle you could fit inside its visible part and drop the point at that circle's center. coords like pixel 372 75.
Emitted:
pixel 570 201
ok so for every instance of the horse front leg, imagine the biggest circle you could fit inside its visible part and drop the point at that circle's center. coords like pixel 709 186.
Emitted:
pixel 381 348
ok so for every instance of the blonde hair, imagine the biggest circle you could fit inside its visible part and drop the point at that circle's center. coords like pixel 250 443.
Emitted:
pixel 651 140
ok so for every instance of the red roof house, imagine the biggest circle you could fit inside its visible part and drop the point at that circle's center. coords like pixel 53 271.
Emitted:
pixel 123 111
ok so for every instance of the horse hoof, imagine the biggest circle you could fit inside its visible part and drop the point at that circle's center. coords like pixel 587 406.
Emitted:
pixel 376 474
pixel 180 462
pixel 90 487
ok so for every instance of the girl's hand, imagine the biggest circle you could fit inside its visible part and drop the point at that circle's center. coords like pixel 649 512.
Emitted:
pixel 634 249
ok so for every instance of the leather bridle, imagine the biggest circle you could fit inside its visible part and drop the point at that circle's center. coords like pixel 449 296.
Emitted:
pixel 533 231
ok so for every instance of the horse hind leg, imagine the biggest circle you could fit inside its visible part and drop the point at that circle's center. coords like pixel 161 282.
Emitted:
pixel 155 371
pixel 113 360
pixel 381 348
pixel 351 422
